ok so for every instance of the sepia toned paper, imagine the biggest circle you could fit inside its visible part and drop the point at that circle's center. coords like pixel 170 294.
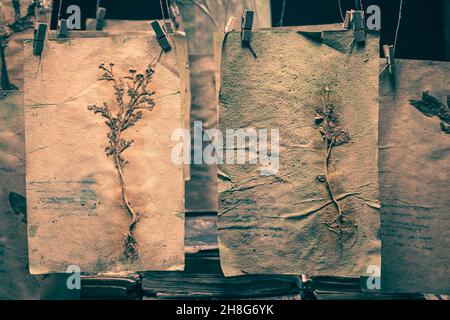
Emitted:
pixel 414 180
pixel 15 280
pixel 279 223
pixel 76 213
pixel 182 58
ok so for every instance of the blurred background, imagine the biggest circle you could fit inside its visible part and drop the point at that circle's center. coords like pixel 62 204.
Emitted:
pixel 424 32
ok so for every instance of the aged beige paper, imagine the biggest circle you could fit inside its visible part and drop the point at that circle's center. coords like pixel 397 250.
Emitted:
pixel 287 222
pixel 76 212
pixel 414 178
pixel 16 283
pixel 180 46
pixel 15 280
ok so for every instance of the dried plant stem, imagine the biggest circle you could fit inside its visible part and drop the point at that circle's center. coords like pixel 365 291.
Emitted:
pixel 333 136
pixel 130 243
pixel 126 115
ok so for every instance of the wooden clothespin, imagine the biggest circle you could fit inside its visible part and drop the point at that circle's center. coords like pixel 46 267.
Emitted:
pixel 348 19
pixel 100 19
pixel 176 15
pixel 39 37
pixel 231 24
pixel 161 36
pixel 358 26
pixel 247 25
pixel 62 31
pixel 389 54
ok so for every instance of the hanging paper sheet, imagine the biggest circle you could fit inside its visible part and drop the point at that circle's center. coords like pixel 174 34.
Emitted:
pixel 312 205
pixel 80 168
pixel 414 177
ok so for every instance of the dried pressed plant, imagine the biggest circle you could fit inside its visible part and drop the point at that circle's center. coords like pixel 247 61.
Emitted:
pixel 333 136
pixel 432 107
pixel 132 98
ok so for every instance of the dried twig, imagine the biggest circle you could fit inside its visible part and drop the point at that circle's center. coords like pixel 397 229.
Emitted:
pixel 333 137
pixel 127 114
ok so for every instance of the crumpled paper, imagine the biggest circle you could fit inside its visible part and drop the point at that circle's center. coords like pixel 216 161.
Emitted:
pixel 277 224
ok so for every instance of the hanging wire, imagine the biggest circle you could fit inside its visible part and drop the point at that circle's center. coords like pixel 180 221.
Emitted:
pixel 340 10
pixel 400 11
pixel 398 24
pixel 205 10
pixel 283 10
pixel 59 10
pixel 170 16
pixel 163 15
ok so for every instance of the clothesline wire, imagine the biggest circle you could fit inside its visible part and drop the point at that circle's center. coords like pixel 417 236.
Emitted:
pixel 398 25
pixel 283 10
pixel 169 11
pixel 59 10
pixel 163 15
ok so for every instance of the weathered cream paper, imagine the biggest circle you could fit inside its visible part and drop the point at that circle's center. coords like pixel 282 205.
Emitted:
pixel 277 224
pixel 15 280
pixel 414 180
pixel 182 58
pixel 76 213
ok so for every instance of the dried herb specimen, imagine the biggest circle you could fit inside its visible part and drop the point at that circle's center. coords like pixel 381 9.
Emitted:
pixel 333 136
pixel 432 107
pixel 127 112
